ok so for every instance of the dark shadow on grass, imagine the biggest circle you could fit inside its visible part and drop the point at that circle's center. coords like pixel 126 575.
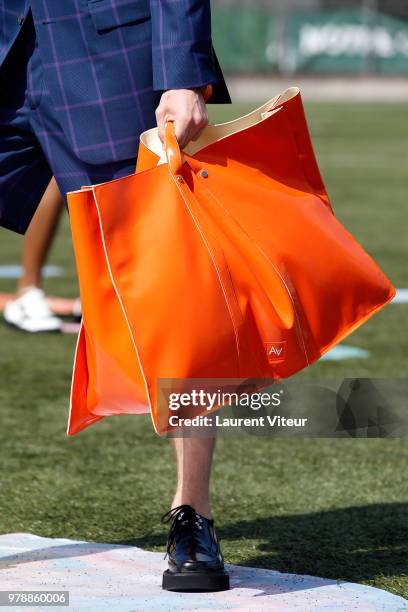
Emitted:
pixel 354 544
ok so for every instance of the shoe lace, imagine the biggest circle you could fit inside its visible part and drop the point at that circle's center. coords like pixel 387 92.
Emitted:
pixel 183 516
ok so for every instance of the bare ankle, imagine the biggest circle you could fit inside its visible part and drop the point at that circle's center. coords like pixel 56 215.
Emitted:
pixel 202 507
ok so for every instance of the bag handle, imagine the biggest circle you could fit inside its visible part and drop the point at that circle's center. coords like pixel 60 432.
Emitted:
pixel 171 146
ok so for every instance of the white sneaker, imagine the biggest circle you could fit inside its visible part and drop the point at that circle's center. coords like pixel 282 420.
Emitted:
pixel 31 313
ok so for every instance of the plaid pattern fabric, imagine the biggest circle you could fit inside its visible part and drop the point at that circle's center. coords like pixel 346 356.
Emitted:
pixel 33 146
pixel 106 63
pixel 12 13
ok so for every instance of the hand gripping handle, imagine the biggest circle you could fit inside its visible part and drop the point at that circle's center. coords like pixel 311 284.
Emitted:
pixel 171 146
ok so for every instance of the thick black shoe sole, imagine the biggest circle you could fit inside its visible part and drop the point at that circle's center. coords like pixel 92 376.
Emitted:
pixel 195 581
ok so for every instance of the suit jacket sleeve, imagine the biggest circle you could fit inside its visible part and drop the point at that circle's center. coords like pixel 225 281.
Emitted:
pixel 183 55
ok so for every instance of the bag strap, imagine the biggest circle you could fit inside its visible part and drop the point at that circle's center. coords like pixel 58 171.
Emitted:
pixel 171 146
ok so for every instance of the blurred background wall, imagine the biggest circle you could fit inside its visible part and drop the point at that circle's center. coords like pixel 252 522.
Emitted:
pixel 311 37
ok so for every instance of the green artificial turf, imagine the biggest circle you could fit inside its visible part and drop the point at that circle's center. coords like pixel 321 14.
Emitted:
pixel 332 508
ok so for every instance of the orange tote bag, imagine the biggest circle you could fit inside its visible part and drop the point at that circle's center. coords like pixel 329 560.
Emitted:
pixel 223 260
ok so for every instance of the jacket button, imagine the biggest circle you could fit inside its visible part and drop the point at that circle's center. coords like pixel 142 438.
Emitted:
pixel 20 19
pixel 204 173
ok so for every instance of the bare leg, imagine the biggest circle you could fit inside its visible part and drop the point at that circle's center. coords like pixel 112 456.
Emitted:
pixel 39 236
pixel 194 458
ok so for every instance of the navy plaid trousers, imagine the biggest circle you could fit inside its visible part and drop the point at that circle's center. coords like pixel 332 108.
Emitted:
pixel 81 79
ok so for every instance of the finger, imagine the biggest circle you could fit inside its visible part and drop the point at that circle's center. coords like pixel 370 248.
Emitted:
pixel 198 134
pixel 200 124
pixel 182 128
pixel 196 123
pixel 187 138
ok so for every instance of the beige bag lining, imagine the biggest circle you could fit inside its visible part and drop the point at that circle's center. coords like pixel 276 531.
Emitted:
pixel 215 132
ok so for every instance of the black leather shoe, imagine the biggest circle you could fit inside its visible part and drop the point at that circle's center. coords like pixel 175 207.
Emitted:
pixel 194 556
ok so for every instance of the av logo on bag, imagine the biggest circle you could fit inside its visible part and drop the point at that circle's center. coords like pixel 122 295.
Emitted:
pixel 276 351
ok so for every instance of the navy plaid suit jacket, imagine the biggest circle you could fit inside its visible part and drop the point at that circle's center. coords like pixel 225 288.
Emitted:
pixel 106 63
